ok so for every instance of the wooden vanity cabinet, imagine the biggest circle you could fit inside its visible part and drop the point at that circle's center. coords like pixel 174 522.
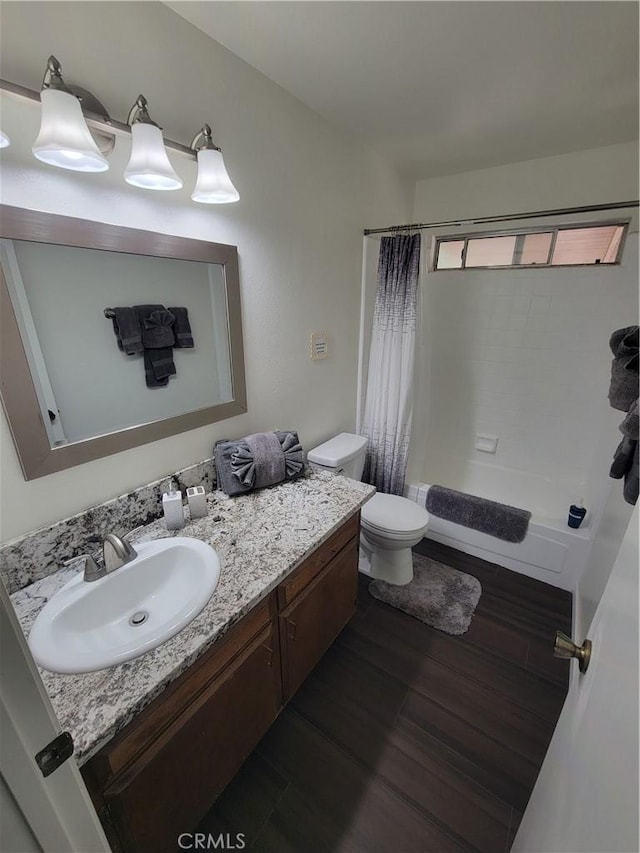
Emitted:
pixel 158 777
pixel 315 618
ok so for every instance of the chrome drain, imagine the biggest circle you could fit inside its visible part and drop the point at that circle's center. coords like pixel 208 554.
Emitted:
pixel 138 618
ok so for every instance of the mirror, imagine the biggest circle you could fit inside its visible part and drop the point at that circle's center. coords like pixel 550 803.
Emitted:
pixel 71 393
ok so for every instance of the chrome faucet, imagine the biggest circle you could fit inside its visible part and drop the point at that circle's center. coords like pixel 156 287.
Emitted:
pixel 116 552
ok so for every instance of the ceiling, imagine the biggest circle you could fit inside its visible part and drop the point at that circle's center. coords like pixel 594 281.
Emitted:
pixel 445 87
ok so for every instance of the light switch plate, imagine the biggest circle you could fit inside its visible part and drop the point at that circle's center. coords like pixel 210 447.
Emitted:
pixel 319 346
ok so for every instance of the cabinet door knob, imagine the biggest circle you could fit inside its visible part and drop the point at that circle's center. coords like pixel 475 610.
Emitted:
pixel 292 629
pixel 269 652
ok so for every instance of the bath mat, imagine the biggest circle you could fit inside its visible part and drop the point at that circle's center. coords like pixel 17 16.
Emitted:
pixel 438 595
pixel 500 520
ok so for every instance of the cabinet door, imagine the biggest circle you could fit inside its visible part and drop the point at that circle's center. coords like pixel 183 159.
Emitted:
pixel 169 788
pixel 316 617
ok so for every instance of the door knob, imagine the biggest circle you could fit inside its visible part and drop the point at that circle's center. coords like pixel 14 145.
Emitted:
pixel 564 647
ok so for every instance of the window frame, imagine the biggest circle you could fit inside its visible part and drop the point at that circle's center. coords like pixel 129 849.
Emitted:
pixel 523 232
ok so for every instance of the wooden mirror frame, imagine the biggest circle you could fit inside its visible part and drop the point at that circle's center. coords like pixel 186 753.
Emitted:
pixel 19 399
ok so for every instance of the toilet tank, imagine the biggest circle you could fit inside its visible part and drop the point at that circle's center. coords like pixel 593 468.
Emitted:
pixel 344 454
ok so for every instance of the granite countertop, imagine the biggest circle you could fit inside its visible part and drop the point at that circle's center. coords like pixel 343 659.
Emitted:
pixel 260 538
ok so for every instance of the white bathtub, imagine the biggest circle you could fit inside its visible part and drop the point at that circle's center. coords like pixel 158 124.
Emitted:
pixel 551 551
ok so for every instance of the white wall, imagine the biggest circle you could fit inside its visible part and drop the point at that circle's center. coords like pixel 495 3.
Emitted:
pixel 593 176
pixel 523 354
pixel 306 193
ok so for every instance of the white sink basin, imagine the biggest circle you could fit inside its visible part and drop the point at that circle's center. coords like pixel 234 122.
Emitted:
pixel 89 626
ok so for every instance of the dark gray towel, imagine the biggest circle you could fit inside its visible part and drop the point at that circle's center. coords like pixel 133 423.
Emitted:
pixel 182 328
pixel 157 329
pixel 630 426
pixel 496 519
pixel 623 389
pixel 255 461
pixel 625 459
pixel 150 377
pixel 158 361
pixel 162 362
pixel 127 331
pixel 259 461
pixel 632 480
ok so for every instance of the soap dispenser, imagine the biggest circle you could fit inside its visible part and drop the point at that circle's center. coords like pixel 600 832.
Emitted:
pixel 173 509
pixel 577 513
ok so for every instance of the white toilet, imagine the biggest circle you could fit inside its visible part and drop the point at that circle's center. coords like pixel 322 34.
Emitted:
pixel 390 525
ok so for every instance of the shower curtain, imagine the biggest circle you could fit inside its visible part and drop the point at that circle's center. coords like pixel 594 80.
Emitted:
pixel 389 398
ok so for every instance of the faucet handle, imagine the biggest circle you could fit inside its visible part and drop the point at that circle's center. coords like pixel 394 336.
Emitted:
pixel 92 571
pixel 135 530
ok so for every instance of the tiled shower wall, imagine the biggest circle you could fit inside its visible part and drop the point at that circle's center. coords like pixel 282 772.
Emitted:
pixel 522 355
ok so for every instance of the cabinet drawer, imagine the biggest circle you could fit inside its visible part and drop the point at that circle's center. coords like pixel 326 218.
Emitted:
pixel 144 730
pixel 173 783
pixel 313 621
pixel 321 557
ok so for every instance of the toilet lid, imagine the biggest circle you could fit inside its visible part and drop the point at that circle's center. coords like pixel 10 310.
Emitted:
pixel 394 514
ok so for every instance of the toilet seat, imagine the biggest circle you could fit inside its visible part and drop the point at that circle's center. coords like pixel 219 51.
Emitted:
pixel 394 516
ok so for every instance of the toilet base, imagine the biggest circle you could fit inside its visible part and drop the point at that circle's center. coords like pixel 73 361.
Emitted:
pixel 395 567
pixel 364 561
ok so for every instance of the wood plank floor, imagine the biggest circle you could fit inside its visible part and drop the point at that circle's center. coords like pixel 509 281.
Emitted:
pixel 407 740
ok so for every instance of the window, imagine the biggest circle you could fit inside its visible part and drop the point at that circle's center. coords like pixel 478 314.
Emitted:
pixel 569 245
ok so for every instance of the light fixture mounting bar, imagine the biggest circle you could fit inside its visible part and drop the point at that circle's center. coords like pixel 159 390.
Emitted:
pixel 95 121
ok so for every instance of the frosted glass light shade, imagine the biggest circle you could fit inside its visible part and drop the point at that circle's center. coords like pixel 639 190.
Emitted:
pixel 149 165
pixel 213 185
pixel 5 142
pixel 64 139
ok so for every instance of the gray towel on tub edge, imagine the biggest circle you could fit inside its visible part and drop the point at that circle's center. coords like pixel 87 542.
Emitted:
pixel 258 460
pixel 495 519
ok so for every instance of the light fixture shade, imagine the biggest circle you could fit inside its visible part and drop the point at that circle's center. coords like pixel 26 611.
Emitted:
pixel 64 139
pixel 213 185
pixel 5 142
pixel 149 165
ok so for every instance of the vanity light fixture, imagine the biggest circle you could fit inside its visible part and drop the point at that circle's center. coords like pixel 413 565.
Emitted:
pixel 77 133
pixel 213 185
pixel 149 165
pixel 64 139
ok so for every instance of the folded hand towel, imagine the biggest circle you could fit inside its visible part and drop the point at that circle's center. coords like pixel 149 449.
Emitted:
pixel 151 379
pixel 157 331
pixel 623 389
pixel 162 362
pixel 500 520
pixel 258 460
pixel 182 328
pixel 158 360
pixel 127 330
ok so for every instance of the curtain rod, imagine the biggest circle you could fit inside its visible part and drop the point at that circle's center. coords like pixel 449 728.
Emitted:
pixel 561 211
